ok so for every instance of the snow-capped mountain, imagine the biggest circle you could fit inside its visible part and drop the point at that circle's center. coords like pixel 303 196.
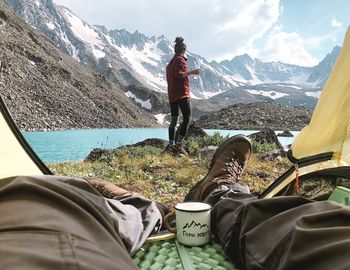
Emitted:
pixel 133 58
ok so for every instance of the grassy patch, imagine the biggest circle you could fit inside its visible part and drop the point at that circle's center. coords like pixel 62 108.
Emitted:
pixel 165 178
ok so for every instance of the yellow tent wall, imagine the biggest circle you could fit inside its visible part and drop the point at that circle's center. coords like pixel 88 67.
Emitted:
pixel 329 129
pixel 16 156
pixel 325 143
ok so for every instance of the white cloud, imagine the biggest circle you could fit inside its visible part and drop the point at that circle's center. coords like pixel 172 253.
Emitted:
pixel 335 23
pixel 211 28
pixel 287 47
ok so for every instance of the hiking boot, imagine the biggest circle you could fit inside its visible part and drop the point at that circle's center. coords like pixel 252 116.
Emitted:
pixel 171 149
pixel 227 166
pixel 180 149
pixel 175 150
pixel 107 189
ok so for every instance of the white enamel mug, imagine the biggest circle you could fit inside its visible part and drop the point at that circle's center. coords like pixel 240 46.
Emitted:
pixel 192 223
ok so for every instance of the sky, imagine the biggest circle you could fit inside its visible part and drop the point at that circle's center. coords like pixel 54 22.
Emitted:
pixel 299 32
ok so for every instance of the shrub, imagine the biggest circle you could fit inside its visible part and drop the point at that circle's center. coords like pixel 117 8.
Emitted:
pixel 196 143
pixel 133 152
pixel 258 147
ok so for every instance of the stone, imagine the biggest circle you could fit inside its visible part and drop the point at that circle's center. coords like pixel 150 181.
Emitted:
pixel 98 154
pixel 277 154
pixel 257 116
pixel 285 133
pixel 159 143
pixel 195 131
pixel 267 135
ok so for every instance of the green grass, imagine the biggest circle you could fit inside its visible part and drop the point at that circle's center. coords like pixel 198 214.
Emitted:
pixel 162 177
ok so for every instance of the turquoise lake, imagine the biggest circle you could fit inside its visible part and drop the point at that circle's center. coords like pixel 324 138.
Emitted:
pixel 75 145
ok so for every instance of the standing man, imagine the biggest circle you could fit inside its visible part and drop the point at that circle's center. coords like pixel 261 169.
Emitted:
pixel 177 73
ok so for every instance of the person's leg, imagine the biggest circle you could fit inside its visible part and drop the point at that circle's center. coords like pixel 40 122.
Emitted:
pixel 174 111
pixel 287 232
pixel 52 222
pixel 185 107
pixel 280 233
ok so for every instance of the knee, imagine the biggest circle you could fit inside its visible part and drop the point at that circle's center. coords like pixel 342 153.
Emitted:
pixel 173 122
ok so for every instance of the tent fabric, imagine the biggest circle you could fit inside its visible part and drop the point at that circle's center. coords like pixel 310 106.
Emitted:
pixel 325 143
pixel 329 129
pixel 16 156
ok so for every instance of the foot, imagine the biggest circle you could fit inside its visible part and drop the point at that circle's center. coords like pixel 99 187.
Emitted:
pixel 170 148
pixel 227 166
pixel 175 150
pixel 180 149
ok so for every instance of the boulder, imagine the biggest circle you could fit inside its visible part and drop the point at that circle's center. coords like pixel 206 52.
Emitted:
pixel 267 136
pixel 285 133
pixel 195 131
pixel 159 143
pixel 277 154
pixel 98 154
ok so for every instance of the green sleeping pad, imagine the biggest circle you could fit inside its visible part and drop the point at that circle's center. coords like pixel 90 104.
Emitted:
pixel 170 255
pixel 341 195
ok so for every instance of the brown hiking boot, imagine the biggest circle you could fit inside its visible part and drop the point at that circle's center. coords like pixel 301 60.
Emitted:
pixel 175 150
pixel 227 166
pixel 107 189
pixel 180 149
pixel 170 149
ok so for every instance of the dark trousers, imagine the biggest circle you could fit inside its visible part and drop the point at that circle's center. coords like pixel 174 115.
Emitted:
pixel 280 233
pixel 184 105
pixel 52 222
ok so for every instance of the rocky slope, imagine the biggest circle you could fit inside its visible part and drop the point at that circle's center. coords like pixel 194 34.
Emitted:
pixel 257 116
pixel 133 58
pixel 47 90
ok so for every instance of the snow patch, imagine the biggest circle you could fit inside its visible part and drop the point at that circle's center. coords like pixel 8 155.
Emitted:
pixel 234 80
pixel 194 96
pixel 32 62
pixel 83 31
pixel 255 79
pixel 160 118
pixel 270 94
pixel 50 25
pixel 74 51
pixel 145 104
pixel 290 86
pixel 38 4
pixel 98 53
pixel 211 94
pixel 302 80
pixel 313 94
pixel 150 55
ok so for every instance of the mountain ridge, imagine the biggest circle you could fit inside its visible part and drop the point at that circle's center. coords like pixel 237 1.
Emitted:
pixel 133 58
pixel 46 89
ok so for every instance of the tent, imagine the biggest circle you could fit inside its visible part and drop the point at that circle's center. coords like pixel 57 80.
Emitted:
pixel 321 147
pixel 16 155
pixel 324 145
